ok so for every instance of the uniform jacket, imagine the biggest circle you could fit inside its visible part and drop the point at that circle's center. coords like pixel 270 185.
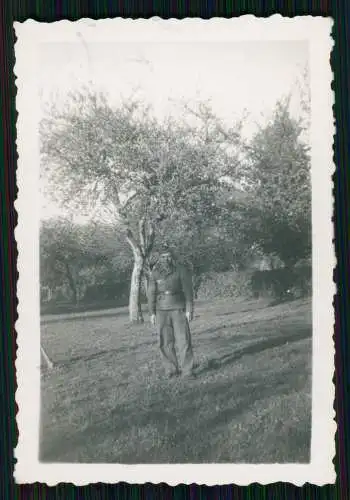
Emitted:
pixel 170 290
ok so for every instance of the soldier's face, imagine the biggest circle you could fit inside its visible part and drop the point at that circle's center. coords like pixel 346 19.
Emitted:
pixel 166 258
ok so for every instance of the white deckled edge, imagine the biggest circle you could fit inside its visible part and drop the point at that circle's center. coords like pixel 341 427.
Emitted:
pixel 30 34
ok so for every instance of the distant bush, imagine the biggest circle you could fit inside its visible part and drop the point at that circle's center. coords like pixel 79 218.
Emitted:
pixel 280 284
pixel 228 284
pixel 293 282
pixel 302 285
pixel 110 290
pixel 101 296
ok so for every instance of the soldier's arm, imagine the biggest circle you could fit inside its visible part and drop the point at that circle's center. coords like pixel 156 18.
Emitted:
pixel 152 289
pixel 187 287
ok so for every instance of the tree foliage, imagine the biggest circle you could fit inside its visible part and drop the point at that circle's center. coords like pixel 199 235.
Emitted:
pixel 79 257
pixel 218 202
pixel 124 160
pixel 277 219
pixel 141 173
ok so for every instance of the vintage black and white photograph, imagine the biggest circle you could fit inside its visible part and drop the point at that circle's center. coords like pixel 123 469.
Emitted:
pixel 180 206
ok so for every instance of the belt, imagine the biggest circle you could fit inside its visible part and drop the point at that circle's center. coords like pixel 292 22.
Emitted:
pixel 169 292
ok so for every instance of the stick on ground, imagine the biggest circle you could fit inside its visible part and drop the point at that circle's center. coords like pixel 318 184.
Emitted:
pixel 46 358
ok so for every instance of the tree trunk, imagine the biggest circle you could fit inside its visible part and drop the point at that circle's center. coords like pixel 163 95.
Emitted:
pixel 135 310
pixel 141 253
pixel 72 285
pixel 197 281
pixel 146 275
pixel 145 284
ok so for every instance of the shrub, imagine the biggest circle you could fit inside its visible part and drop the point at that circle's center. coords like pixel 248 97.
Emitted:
pixel 284 283
pixel 228 284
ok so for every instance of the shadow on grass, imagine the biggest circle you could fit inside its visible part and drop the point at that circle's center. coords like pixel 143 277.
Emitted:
pixel 248 309
pixel 154 420
pixel 95 355
pixel 263 305
pixel 81 316
pixel 255 348
pixel 180 422
pixel 235 325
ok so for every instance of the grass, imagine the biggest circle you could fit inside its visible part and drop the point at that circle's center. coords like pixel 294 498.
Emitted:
pixel 107 399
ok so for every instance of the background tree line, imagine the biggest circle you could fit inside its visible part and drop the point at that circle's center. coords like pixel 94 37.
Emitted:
pixel 224 204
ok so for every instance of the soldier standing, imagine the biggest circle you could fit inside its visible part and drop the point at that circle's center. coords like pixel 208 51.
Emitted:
pixel 170 298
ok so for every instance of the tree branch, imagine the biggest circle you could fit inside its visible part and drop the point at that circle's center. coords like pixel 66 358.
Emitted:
pixel 203 182
pixel 150 240
pixel 142 234
pixel 133 243
pixel 128 201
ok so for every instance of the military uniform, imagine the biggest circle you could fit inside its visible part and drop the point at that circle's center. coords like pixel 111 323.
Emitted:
pixel 170 296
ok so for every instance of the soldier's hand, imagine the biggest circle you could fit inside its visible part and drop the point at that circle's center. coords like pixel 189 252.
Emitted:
pixel 189 316
pixel 153 319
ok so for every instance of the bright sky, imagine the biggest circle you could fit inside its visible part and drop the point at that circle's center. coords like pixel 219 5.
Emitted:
pixel 235 76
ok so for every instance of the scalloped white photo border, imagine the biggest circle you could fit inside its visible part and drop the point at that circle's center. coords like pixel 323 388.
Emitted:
pixel 315 30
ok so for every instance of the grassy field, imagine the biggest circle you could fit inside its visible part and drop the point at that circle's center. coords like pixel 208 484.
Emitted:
pixel 107 400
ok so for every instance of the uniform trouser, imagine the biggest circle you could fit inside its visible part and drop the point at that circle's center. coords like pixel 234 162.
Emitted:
pixel 173 326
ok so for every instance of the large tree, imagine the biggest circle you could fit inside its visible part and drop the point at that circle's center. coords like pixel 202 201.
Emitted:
pixel 124 163
pixel 277 220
